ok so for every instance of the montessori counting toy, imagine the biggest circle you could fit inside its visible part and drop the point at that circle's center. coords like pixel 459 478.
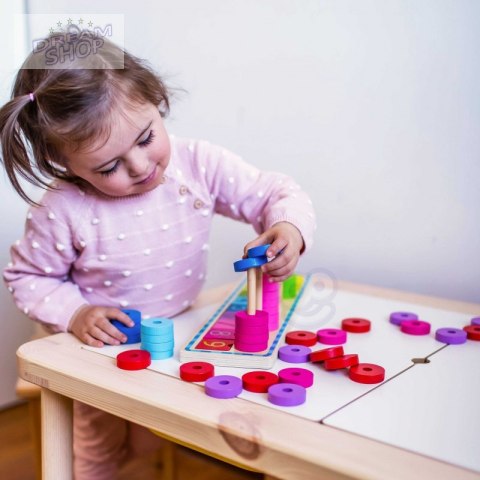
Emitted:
pixel 252 327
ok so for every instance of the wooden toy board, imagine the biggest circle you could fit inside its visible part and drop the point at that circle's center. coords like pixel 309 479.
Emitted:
pixel 214 341
pixel 394 415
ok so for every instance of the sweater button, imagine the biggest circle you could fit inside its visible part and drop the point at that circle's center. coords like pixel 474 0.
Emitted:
pixel 183 190
pixel 197 204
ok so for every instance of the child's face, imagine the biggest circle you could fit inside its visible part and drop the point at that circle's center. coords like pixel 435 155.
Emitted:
pixel 133 158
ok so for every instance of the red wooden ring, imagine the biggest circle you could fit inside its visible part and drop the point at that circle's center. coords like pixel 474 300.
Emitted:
pixel 356 325
pixel 196 371
pixel 326 353
pixel 367 373
pixel 341 362
pixel 473 332
pixel 259 381
pixel 301 337
pixel 133 360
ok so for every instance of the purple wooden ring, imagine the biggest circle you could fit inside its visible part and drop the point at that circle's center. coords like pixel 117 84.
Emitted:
pixel 332 336
pixel 299 376
pixel 294 353
pixel 451 335
pixel 475 321
pixel 415 327
pixel 398 317
pixel 223 386
pixel 287 394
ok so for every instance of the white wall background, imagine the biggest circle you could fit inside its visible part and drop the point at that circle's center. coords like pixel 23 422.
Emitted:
pixel 372 105
pixel 15 328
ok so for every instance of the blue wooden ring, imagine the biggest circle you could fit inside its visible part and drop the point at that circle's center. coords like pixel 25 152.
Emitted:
pixel 135 315
pixel 132 333
pixel 247 263
pixel 157 326
pixel 259 251
pixel 161 355
pixel 157 347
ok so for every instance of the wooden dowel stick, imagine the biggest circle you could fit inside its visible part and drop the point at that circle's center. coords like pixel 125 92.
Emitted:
pixel 251 292
pixel 259 288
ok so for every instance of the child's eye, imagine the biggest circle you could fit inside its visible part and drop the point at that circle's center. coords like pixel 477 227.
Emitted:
pixel 148 140
pixel 110 171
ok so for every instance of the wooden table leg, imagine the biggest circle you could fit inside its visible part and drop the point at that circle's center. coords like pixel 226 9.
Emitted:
pixel 34 412
pixel 169 461
pixel 57 436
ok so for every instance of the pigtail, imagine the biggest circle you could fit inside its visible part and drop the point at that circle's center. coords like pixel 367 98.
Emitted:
pixel 15 147
pixel 69 106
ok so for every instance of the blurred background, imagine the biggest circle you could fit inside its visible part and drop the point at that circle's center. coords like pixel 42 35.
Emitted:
pixel 373 106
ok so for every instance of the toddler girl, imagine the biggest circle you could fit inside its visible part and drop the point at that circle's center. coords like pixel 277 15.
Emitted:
pixel 127 212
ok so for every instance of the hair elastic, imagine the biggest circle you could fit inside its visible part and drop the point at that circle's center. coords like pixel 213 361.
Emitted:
pixel 32 96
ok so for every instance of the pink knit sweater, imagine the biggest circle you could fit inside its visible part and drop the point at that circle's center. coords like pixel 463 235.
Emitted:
pixel 149 251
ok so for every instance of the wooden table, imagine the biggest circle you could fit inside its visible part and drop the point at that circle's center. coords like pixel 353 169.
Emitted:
pixel 272 441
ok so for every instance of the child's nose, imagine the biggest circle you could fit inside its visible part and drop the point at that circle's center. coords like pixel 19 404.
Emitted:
pixel 137 165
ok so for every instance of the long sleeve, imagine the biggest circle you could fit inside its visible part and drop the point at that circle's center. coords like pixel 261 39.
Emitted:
pixel 38 275
pixel 243 192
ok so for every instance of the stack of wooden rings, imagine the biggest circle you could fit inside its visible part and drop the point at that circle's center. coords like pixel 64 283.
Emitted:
pixel 252 325
pixel 157 337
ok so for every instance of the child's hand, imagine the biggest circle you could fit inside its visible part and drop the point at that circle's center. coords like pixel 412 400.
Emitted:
pixel 92 325
pixel 285 238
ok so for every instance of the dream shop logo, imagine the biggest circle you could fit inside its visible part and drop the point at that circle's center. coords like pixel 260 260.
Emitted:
pixel 72 44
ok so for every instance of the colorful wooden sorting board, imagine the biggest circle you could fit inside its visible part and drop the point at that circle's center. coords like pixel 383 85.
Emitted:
pixel 214 341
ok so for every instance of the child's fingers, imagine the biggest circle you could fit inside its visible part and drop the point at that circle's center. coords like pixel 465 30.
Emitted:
pixel 282 266
pixel 107 333
pixel 260 240
pixel 117 314
pixel 90 340
pixel 277 247
pixel 282 273
pixel 282 258
pixel 112 331
pixel 273 250
pixel 280 278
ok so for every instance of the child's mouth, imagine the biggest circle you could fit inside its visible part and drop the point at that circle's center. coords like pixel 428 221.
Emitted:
pixel 148 179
